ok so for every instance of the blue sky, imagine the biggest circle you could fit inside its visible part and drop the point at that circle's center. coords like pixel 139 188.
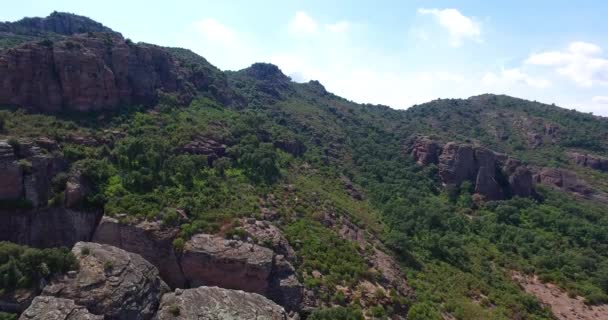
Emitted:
pixel 397 53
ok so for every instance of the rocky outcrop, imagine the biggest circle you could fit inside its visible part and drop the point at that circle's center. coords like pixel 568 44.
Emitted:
pixel 213 261
pixel 50 227
pixel 266 234
pixel 76 190
pixel 100 71
pixel 150 240
pixel 284 287
pixel 209 147
pixel 111 282
pixel 589 161
pixel 519 178
pixel 27 171
pixel 212 303
pixel 11 173
pixel 350 188
pixel 51 308
pixel 425 151
pixel 293 146
pixel 563 179
pixel 494 176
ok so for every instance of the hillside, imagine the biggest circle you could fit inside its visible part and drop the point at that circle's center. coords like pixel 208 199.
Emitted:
pixel 247 180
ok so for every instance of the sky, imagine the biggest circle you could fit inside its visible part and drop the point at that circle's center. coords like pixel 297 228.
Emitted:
pixel 396 53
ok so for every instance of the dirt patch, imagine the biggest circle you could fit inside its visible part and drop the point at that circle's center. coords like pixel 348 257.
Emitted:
pixel 562 306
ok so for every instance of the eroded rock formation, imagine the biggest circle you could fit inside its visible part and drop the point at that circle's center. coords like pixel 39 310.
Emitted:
pixel 212 303
pixel 589 161
pixel 52 308
pixel 493 175
pixel 213 261
pixel 150 240
pixel 111 282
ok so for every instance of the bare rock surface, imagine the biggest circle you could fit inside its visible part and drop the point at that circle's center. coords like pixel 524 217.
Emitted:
pixel 214 261
pixel 50 227
pixel 150 240
pixel 111 282
pixel 268 235
pixel 52 308
pixel 562 306
pixel 213 303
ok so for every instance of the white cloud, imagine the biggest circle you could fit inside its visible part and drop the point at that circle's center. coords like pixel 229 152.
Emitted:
pixel 459 26
pixel 600 100
pixel 215 31
pixel 510 77
pixel 303 23
pixel 580 62
pixel 338 27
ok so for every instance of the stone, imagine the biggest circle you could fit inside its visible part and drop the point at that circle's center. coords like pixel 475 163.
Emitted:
pixel 285 288
pixel 150 240
pixel 52 308
pixel 76 190
pixel 11 173
pixel 213 303
pixel 589 161
pixel 111 282
pixel 456 164
pixel 425 151
pixel 268 235
pixel 213 261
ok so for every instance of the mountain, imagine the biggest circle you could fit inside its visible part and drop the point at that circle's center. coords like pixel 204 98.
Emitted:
pixel 168 177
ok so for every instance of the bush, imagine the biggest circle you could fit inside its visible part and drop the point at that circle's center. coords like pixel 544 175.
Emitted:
pixel 337 313
pixel 423 311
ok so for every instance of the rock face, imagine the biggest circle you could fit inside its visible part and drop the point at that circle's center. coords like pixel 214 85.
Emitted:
pixel 212 303
pixel 213 261
pixel 493 175
pixel 266 234
pixel 563 179
pixel 111 282
pixel 97 71
pixel 51 308
pixel 589 161
pixel 284 287
pixel 148 239
pixel 426 151
pixel 50 227
pixel 27 171
pixel 11 173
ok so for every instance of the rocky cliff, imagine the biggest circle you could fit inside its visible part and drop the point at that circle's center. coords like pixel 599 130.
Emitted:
pixel 97 70
pixel 493 175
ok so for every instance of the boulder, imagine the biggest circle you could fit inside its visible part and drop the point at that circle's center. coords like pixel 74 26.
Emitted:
pixel 266 234
pixel 111 282
pixel 214 261
pixel 52 308
pixel 150 240
pixel 49 227
pixel 212 303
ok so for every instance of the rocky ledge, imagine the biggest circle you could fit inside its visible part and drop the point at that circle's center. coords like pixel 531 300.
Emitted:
pixel 213 303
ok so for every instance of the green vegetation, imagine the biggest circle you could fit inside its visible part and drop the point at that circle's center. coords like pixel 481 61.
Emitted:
pixel 23 267
pixel 290 146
